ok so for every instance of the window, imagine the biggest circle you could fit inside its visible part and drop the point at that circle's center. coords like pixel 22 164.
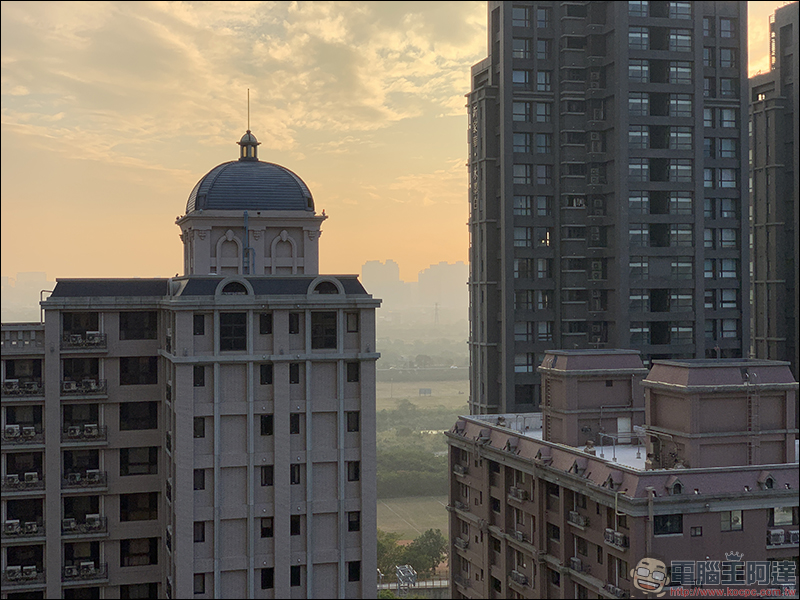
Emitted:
pixel 680 72
pixel 523 299
pixel 639 38
pixel 138 507
pixel 639 104
pixel 522 142
pixel 697 531
pixel 543 49
pixel 521 48
pixel 727 209
pixel 138 552
pixel 708 179
pixel 729 238
pixel 199 532
pixel 708 57
pixel 680 203
pixel 708 148
pixel 199 582
pixel 524 363
pixel 521 78
pixel 138 415
pixel 523 331
pixel 727 28
pixel 708 239
pixel 639 71
pixel 639 235
pixel 351 319
pixel 708 117
pixel 137 591
pixel 785 515
pixel 543 236
pixel 639 169
pixel 521 111
pixel 729 299
pixel 639 301
pixel 295 474
pixel 267 530
pixel 680 138
pixel 544 174
pixel 265 323
pixel 544 143
pixel 639 137
pixel 545 331
pixel 731 520
pixel 295 525
pixel 680 10
pixel 138 370
pixel 681 333
pixel 728 148
pixel 728 87
pixel 268 578
pixel 544 299
pixel 680 169
pixel 354 521
pixel 267 425
pixel 639 267
pixel 727 178
pixel 199 427
pixel 523 174
pixel 199 376
pixel 266 373
pixel 323 330
pixel 295 576
pixel 138 461
pixel 232 331
pixel 681 268
pixel 638 8
pixel 353 470
pixel 523 268
pixel 553 532
pixel 640 333
pixel 523 237
pixel 727 117
pixel 680 40
pixel 294 373
pixel 521 16
pixel 138 325
pixel 727 57
pixel 199 479
pixel 199 324
pixel 668 524
pixel 294 423
pixel 522 206
pixel 729 328
pixel 543 112
pixel 543 17
pixel 267 475
pixel 354 570
pixel 353 418
pixel 544 268
pixel 543 81
pixel 708 27
pixel 294 323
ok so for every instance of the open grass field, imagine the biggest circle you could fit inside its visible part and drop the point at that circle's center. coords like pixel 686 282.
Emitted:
pixel 450 394
pixel 412 516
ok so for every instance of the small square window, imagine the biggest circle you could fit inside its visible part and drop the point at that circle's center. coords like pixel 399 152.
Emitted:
pixel 199 376
pixel 199 531
pixel 294 323
pixel 267 578
pixel 295 474
pixel 199 427
pixel 266 425
pixel 199 324
pixel 266 527
pixel 295 576
pixel 352 322
pixel 354 571
pixel 266 374
pixel 353 372
pixel 199 479
pixel 354 521
pixel 294 525
pixel 697 532
pixel 265 323
pixel 294 373
pixel 294 423
pixel 199 583
pixel 353 421
pixel 267 475
pixel 353 470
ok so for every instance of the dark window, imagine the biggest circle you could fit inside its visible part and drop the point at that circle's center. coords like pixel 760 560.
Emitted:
pixel 323 330
pixel 266 527
pixel 294 323
pixel 353 470
pixel 294 423
pixel 494 503
pixel 199 427
pixel 267 578
pixel 138 507
pixel 265 323
pixel 80 322
pixel 353 421
pixel 294 525
pixel 294 372
pixel 555 577
pixel 138 370
pixel 353 371
pixel 352 322
pixel 354 521
pixel 199 324
pixel 326 287
pixel 232 331
pixel 266 424
pixel 138 591
pixel 266 374
pixel 199 531
pixel 199 376
pixel 234 288
pixel 553 532
pixel 295 576
pixel 138 461
pixel 697 532
pixel 139 552
pixel 138 415
pixel 138 325
pixel 199 583
pixel 354 570
pixel 668 524
pixel 295 474
pixel 199 479
pixel 267 475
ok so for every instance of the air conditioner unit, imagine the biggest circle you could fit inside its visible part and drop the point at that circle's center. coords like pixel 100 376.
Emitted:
pixel 14 573
pixel 30 527
pixel 93 521
pixel 74 431
pixel 597 114
pixel 32 477
pixel 776 536
pixel 794 536
pixel 29 572
pixel 575 563
pixel 28 431
pixel 12 527
pixel 76 339
pixel 594 75
pixel 71 572
pixel 12 479
pixel 608 536
pixel 594 136
pixel 594 180
pixel 11 431
pixel 92 337
pixel 595 85
pixel 91 430
pixel 74 477
pixel 519 536
pixel 619 539
pixel 69 386
pixel 594 171
pixel 93 475
pixel 91 385
pixel 68 525
pixel 87 568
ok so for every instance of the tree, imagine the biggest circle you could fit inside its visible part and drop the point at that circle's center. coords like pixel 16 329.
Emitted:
pixel 389 553
pixel 426 552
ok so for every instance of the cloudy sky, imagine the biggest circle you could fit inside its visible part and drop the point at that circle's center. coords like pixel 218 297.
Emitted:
pixel 111 112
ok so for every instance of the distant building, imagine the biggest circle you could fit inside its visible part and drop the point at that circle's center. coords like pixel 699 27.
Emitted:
pixel 444 285
pixel 775 189
pixel 205 436
pixel 695 460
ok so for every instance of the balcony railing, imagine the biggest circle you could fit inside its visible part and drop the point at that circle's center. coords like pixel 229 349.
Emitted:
pixel 89 478
pixel 461 543
pixel 515 493
pixel 23 482
pixel 578 519
pixel 91 524
pixel 23 575
pixel 22 434
pixel 90 340
pixel 23 529
pixel 15 388
pixel 518 578
pixel 462 581
pixel 84 571
pixel 84 387
pixel 461 505
pixel 88 432
pixel 460 469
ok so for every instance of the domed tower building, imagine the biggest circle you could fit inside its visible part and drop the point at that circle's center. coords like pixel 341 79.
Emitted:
pixel 210 435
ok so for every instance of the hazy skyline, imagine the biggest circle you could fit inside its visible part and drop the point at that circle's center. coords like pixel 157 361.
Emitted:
pixel 111 112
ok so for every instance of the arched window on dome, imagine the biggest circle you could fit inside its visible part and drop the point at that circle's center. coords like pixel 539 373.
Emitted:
pixel 326 287
pixel 234 288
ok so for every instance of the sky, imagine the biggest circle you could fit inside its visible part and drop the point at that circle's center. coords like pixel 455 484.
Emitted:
pixel 112 111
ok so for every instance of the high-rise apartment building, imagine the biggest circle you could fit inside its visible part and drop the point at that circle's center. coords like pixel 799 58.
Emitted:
pixel 205 436
pixel 608 197
pixel 775 193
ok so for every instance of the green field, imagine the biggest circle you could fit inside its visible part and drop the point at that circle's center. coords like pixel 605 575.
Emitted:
pixel 413 516
pixel 450 394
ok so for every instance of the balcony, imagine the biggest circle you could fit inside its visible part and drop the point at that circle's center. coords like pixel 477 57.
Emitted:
pixel 461 505
pixel 518 578
pixel 616 592
pixel 84 572
pixel 89 525
pixel 577 519
pixel 85 387
pixel 779 538
pixel 616 539
pixel 24 482
pixel 461 581
pixel 17 434
pixel 81 480
pixel 28 575
pixel 89 432
pixel 576 564
pixel 461 543
pixel 19 530
pixel 14 388
pixel 518 494
pixel 460 469
pixel 89 340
